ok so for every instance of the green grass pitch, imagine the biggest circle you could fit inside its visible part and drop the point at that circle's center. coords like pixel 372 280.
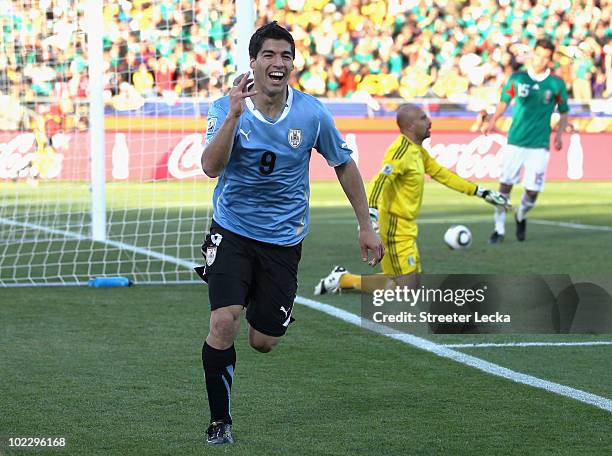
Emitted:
pixel 118 371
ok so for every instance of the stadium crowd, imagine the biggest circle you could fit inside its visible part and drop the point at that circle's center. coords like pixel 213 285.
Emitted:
pixel 406 48
pixel 442 48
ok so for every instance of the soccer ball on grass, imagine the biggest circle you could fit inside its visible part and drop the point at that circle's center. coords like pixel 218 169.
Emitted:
pixel 458 237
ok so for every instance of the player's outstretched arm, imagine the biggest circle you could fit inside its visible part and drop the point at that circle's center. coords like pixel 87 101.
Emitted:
pixel 217 152
pixel 561 126
pixel 489 127
pixel 494 198
pixel 352 184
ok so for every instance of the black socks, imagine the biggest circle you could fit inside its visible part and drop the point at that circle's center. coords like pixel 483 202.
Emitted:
pixel 219 373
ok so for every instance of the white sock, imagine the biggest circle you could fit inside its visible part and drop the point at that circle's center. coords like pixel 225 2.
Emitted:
pixel 500 218
pixel 526 205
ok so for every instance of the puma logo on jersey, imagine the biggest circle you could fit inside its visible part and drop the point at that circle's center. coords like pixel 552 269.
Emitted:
pixel 245 134
pixel 284 310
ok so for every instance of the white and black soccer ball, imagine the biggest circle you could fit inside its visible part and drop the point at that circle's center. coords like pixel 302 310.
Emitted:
pixel 458 237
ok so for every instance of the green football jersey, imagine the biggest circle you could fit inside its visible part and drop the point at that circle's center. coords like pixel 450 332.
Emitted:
pixel 535 102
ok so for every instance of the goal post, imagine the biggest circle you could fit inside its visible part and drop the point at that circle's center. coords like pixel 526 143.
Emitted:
pixel 94 32
pixel 102 134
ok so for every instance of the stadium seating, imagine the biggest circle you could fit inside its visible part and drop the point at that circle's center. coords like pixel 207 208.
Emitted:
pixel 394 48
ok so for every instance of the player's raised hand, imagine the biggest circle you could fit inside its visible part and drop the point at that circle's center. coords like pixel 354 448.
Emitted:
pixel 494 198
pixel 237 95
pixel 369 241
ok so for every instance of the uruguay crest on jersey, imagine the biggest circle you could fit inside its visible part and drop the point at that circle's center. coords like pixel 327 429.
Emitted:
pixel 295 137
pixel 211 255
pixel 211 244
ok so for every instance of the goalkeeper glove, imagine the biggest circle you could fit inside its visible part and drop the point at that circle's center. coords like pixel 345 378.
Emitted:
pixel 374 219
pixel 494 198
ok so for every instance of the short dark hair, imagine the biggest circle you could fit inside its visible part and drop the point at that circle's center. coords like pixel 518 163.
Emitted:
pixel 546 44
pixel 269 31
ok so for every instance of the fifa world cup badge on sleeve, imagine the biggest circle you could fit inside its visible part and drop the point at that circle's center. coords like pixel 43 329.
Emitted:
pixel 211 250
pixel 212 123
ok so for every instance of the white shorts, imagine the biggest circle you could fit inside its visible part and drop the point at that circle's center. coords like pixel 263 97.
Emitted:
pixel 535 162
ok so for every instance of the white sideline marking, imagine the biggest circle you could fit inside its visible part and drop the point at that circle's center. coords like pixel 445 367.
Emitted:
pixel 423 221
pixel 472 361
pixel 46 229
pixel 477 219
pixel 576 226
pixel 84 284
pixel 418 342
pixel 532 344
pixel 120 245
pixel 151 253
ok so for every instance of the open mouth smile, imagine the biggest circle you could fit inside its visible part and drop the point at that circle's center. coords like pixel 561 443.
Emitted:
pixel 276 76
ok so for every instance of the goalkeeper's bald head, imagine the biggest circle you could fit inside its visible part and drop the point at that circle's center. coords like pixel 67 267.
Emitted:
pixel 413 122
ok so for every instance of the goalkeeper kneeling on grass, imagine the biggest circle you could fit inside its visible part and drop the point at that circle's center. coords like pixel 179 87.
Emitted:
pixel 395 196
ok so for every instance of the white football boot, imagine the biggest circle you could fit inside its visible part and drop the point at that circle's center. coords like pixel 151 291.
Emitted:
pixel 331 283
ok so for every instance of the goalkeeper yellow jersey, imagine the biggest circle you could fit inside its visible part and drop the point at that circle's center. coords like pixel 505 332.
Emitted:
pixel 398 188
pixel 46 159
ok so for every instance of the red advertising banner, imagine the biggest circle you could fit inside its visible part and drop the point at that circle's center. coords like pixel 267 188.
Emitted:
pixel 144 155
pixel 474 156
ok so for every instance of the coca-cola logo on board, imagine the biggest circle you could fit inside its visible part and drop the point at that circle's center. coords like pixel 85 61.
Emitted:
pixel 480 158
pixel 185 158
pixel 16 156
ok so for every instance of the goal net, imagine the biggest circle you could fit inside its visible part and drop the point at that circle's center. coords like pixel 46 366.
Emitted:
pixel 140 208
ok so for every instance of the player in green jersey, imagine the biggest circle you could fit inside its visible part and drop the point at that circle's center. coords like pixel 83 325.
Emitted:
pixel 536 93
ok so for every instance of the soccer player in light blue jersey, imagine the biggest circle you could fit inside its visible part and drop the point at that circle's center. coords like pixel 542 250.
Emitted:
pixel 259 140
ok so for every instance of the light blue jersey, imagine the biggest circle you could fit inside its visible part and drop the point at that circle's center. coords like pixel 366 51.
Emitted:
pixel 264 190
